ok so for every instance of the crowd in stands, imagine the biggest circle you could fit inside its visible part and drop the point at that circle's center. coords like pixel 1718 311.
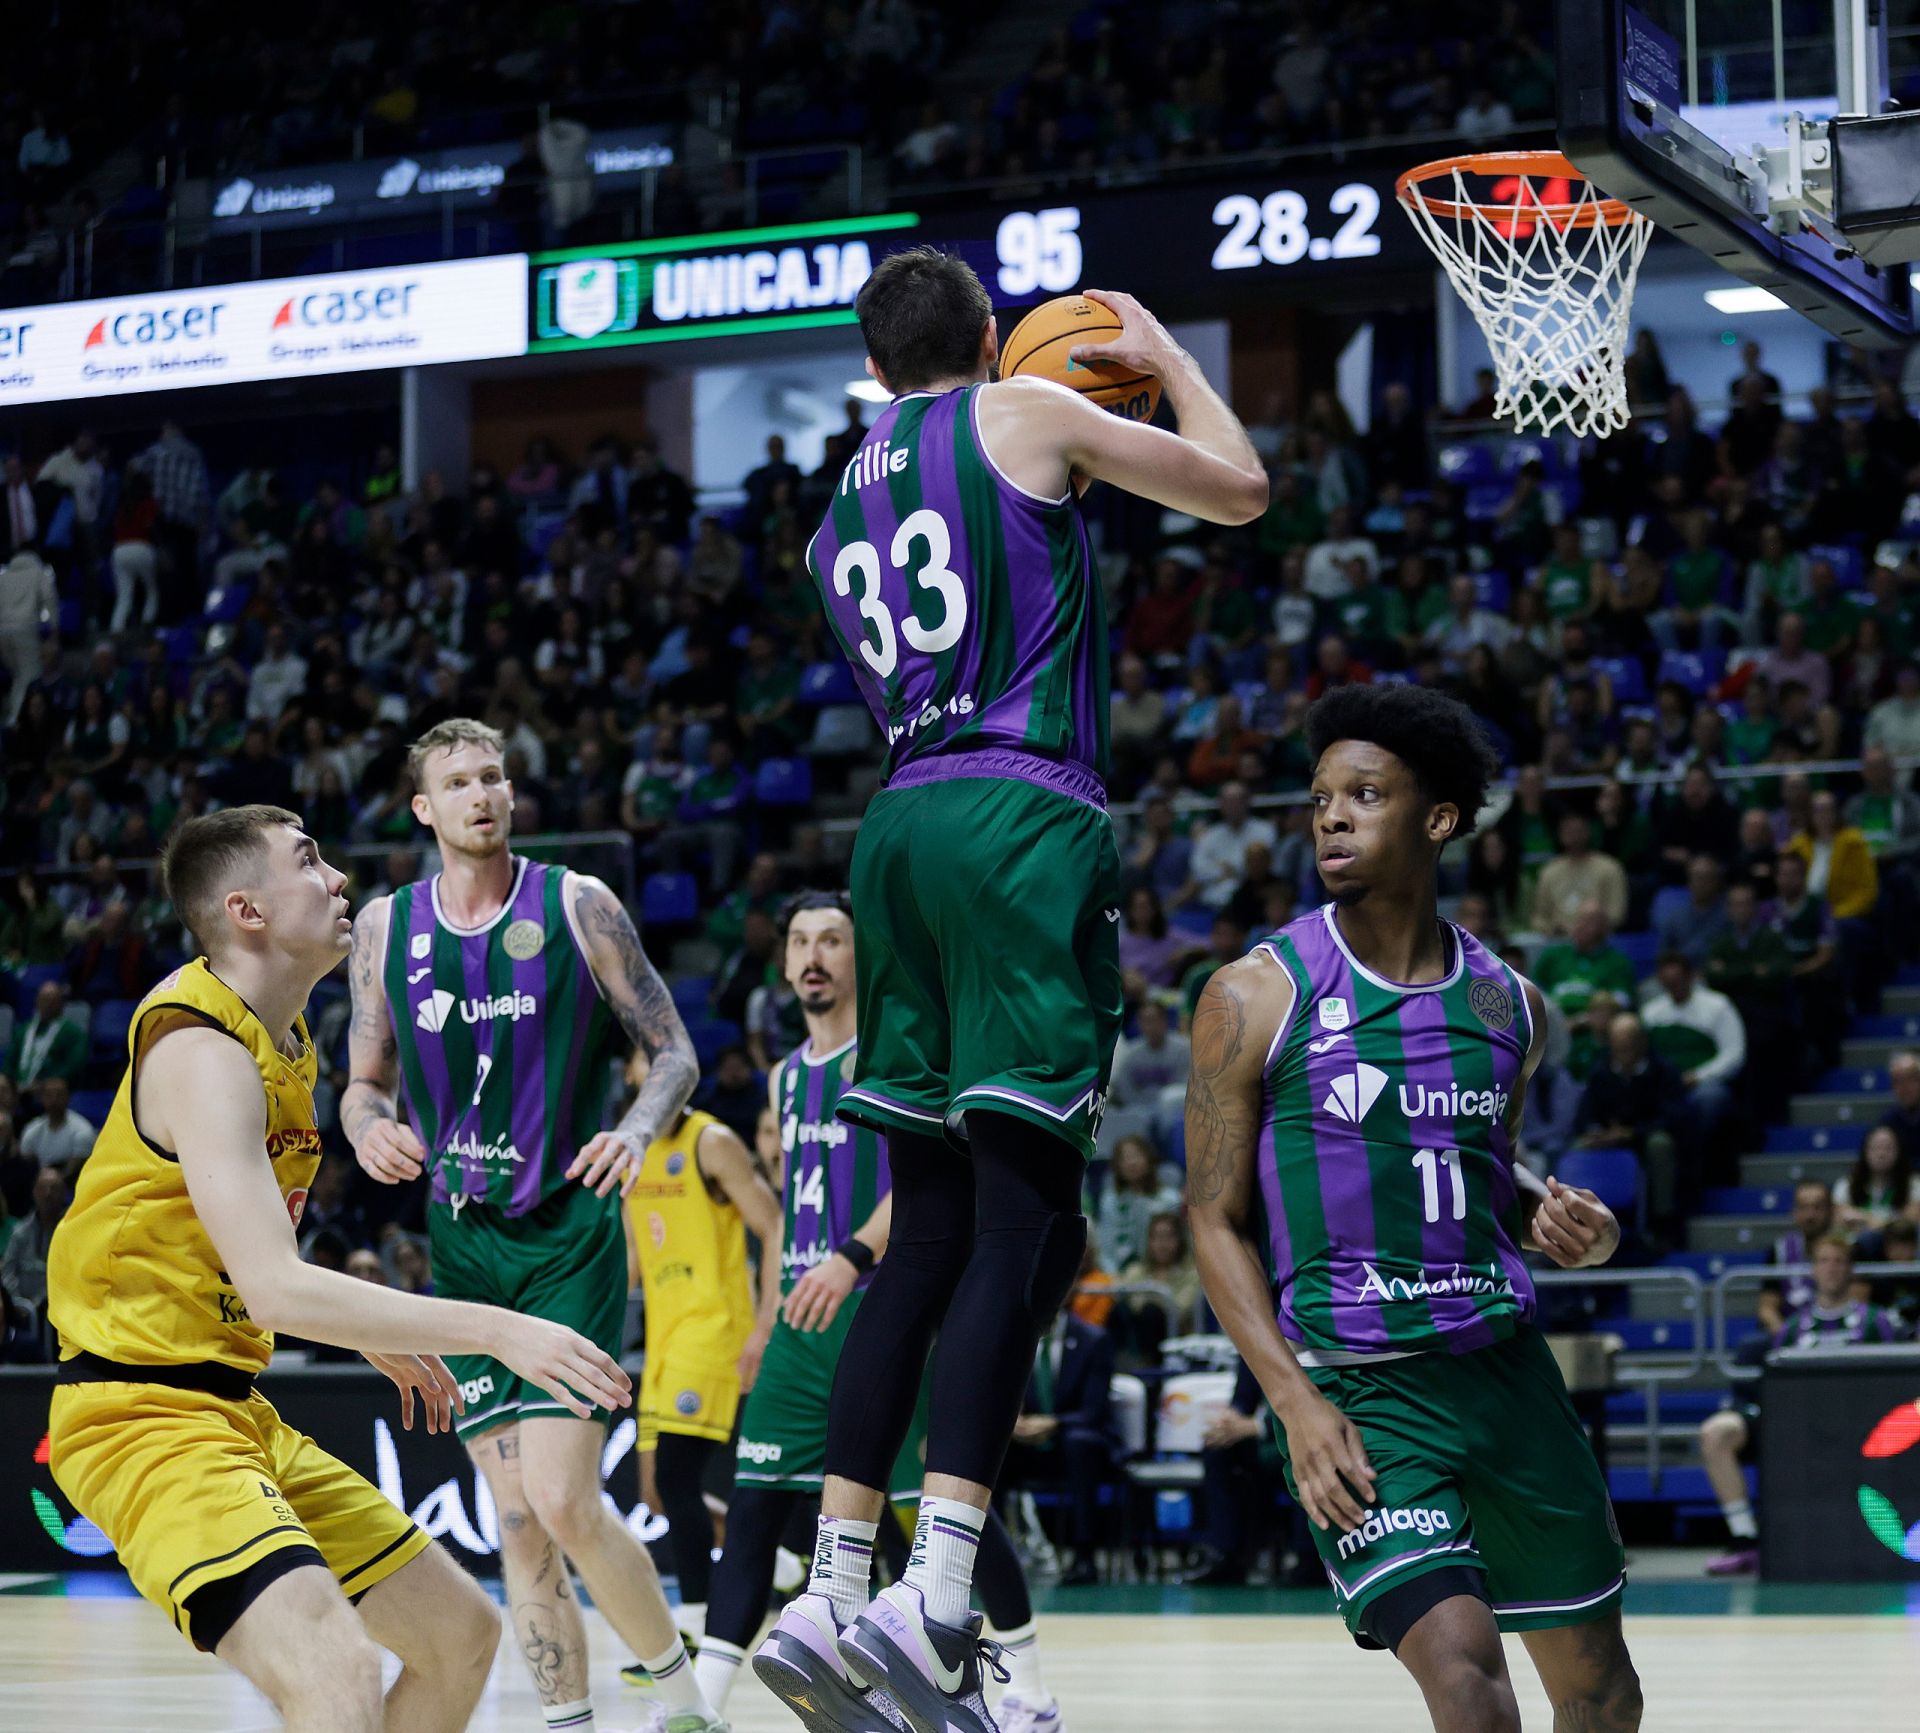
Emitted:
pixel 1132 86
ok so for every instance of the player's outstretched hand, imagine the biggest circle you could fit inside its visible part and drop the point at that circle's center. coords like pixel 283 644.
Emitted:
pixel 819 1294
pixel 563 1362
pixel 1330 1464
pixel 426 1374
pixel 1574 1228
pixel 1143 346
pixel 391 1152
pixel 613 1158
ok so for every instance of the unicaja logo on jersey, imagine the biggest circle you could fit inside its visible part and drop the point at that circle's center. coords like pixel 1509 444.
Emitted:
pixel 1351 1096
pixel 1421 1520
pixel 1453 1102
pixel 437 1007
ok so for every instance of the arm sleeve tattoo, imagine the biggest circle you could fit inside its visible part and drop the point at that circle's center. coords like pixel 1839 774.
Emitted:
pixel 645 1009
pixel 373 1055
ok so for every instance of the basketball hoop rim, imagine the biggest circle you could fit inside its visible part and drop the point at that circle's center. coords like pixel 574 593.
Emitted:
pixel 1544 164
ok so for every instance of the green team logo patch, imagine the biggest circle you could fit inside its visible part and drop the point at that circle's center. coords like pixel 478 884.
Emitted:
pixel 524 939
pixel 1492 1004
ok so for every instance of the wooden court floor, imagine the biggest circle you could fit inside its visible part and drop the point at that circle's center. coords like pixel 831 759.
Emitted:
pixel 88 1663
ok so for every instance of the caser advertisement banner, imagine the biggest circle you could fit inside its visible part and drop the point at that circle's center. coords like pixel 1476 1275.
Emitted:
pixel 287 328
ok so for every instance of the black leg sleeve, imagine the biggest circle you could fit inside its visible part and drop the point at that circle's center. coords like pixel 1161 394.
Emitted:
pixel 1029 1234
pixel 679 1466
pixel 743 1579
pixel 877 1382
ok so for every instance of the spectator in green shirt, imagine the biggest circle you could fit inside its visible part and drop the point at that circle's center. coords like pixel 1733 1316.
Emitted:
pixel 1899 619
pixel 1586 962
pixel 764 700
pixel 1695 617
pixel 1831 619
pixel 1750 963
pixel 1293 517
pixel 760 889
pixel 1372 617
pixel 1564 581
pixel 1776 583
pixel 1749 737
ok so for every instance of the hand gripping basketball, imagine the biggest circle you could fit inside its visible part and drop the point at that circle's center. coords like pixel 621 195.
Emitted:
pixel 1143 344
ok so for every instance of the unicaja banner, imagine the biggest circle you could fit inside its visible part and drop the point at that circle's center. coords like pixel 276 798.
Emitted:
pixel 292 327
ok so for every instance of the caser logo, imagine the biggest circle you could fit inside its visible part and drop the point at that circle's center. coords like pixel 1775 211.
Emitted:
pixel 187 322
pixel 1351 1096
pixel 355 306
pixel 1420 1520
pixel 434 1010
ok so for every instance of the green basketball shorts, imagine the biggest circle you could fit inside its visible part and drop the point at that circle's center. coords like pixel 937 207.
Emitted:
pixel 1480 1462
pixel 565 1259
pixel 986 920
pixel 783 1428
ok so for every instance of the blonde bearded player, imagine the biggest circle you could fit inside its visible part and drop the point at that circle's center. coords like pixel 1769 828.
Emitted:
pixel 495 994
pixel 169 1275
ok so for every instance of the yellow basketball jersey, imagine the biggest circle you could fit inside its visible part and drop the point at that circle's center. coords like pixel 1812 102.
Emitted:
pixel 131 1273
pixel 693 1249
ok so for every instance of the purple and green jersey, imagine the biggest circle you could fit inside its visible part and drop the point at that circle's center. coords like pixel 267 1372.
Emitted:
pixel 969 610
pixel 1848 1326
pixel 504 1040
pixel 1390 1215
pixel 836 1173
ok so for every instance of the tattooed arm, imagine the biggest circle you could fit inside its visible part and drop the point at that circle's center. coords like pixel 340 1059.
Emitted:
pixel 369 1110
pixel 1240 1011
pixel 640 1000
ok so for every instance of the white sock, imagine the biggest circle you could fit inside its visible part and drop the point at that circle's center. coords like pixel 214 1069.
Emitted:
pixel 1020 1655
pixel 843 1565
pixel 716 1669
pixel 1740 1520
pixel 945 1540
pixel 573 1717
pixel 673 1677
pixel 691 1617
pixel 789 1571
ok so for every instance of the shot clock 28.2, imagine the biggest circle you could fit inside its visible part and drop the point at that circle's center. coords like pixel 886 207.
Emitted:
pixel 1045 252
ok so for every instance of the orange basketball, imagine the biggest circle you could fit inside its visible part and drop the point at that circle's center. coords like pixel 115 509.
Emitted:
pixel 1041 345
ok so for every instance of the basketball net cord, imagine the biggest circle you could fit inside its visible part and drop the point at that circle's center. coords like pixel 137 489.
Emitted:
pixel 1550 286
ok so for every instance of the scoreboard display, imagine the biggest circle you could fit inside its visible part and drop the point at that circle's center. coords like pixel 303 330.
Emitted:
pixel 1180 247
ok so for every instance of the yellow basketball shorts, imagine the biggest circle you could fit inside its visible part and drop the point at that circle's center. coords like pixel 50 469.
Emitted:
pixel 192 1490
pixel 690 1385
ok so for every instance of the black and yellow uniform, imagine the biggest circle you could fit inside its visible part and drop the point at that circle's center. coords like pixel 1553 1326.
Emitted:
pixel 156 1431
pixel 692 1248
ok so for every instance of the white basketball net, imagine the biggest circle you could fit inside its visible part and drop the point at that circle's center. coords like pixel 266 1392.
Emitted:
pixel 1551 295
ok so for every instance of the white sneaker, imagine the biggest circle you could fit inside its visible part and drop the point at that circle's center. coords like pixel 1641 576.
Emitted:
pixel 1019 1715
pixel 656 1719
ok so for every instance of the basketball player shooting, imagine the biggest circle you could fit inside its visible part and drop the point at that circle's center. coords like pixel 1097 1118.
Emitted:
pixel 1352 1114
pixel 957 576
pixel 172 1270
pixel 495 993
